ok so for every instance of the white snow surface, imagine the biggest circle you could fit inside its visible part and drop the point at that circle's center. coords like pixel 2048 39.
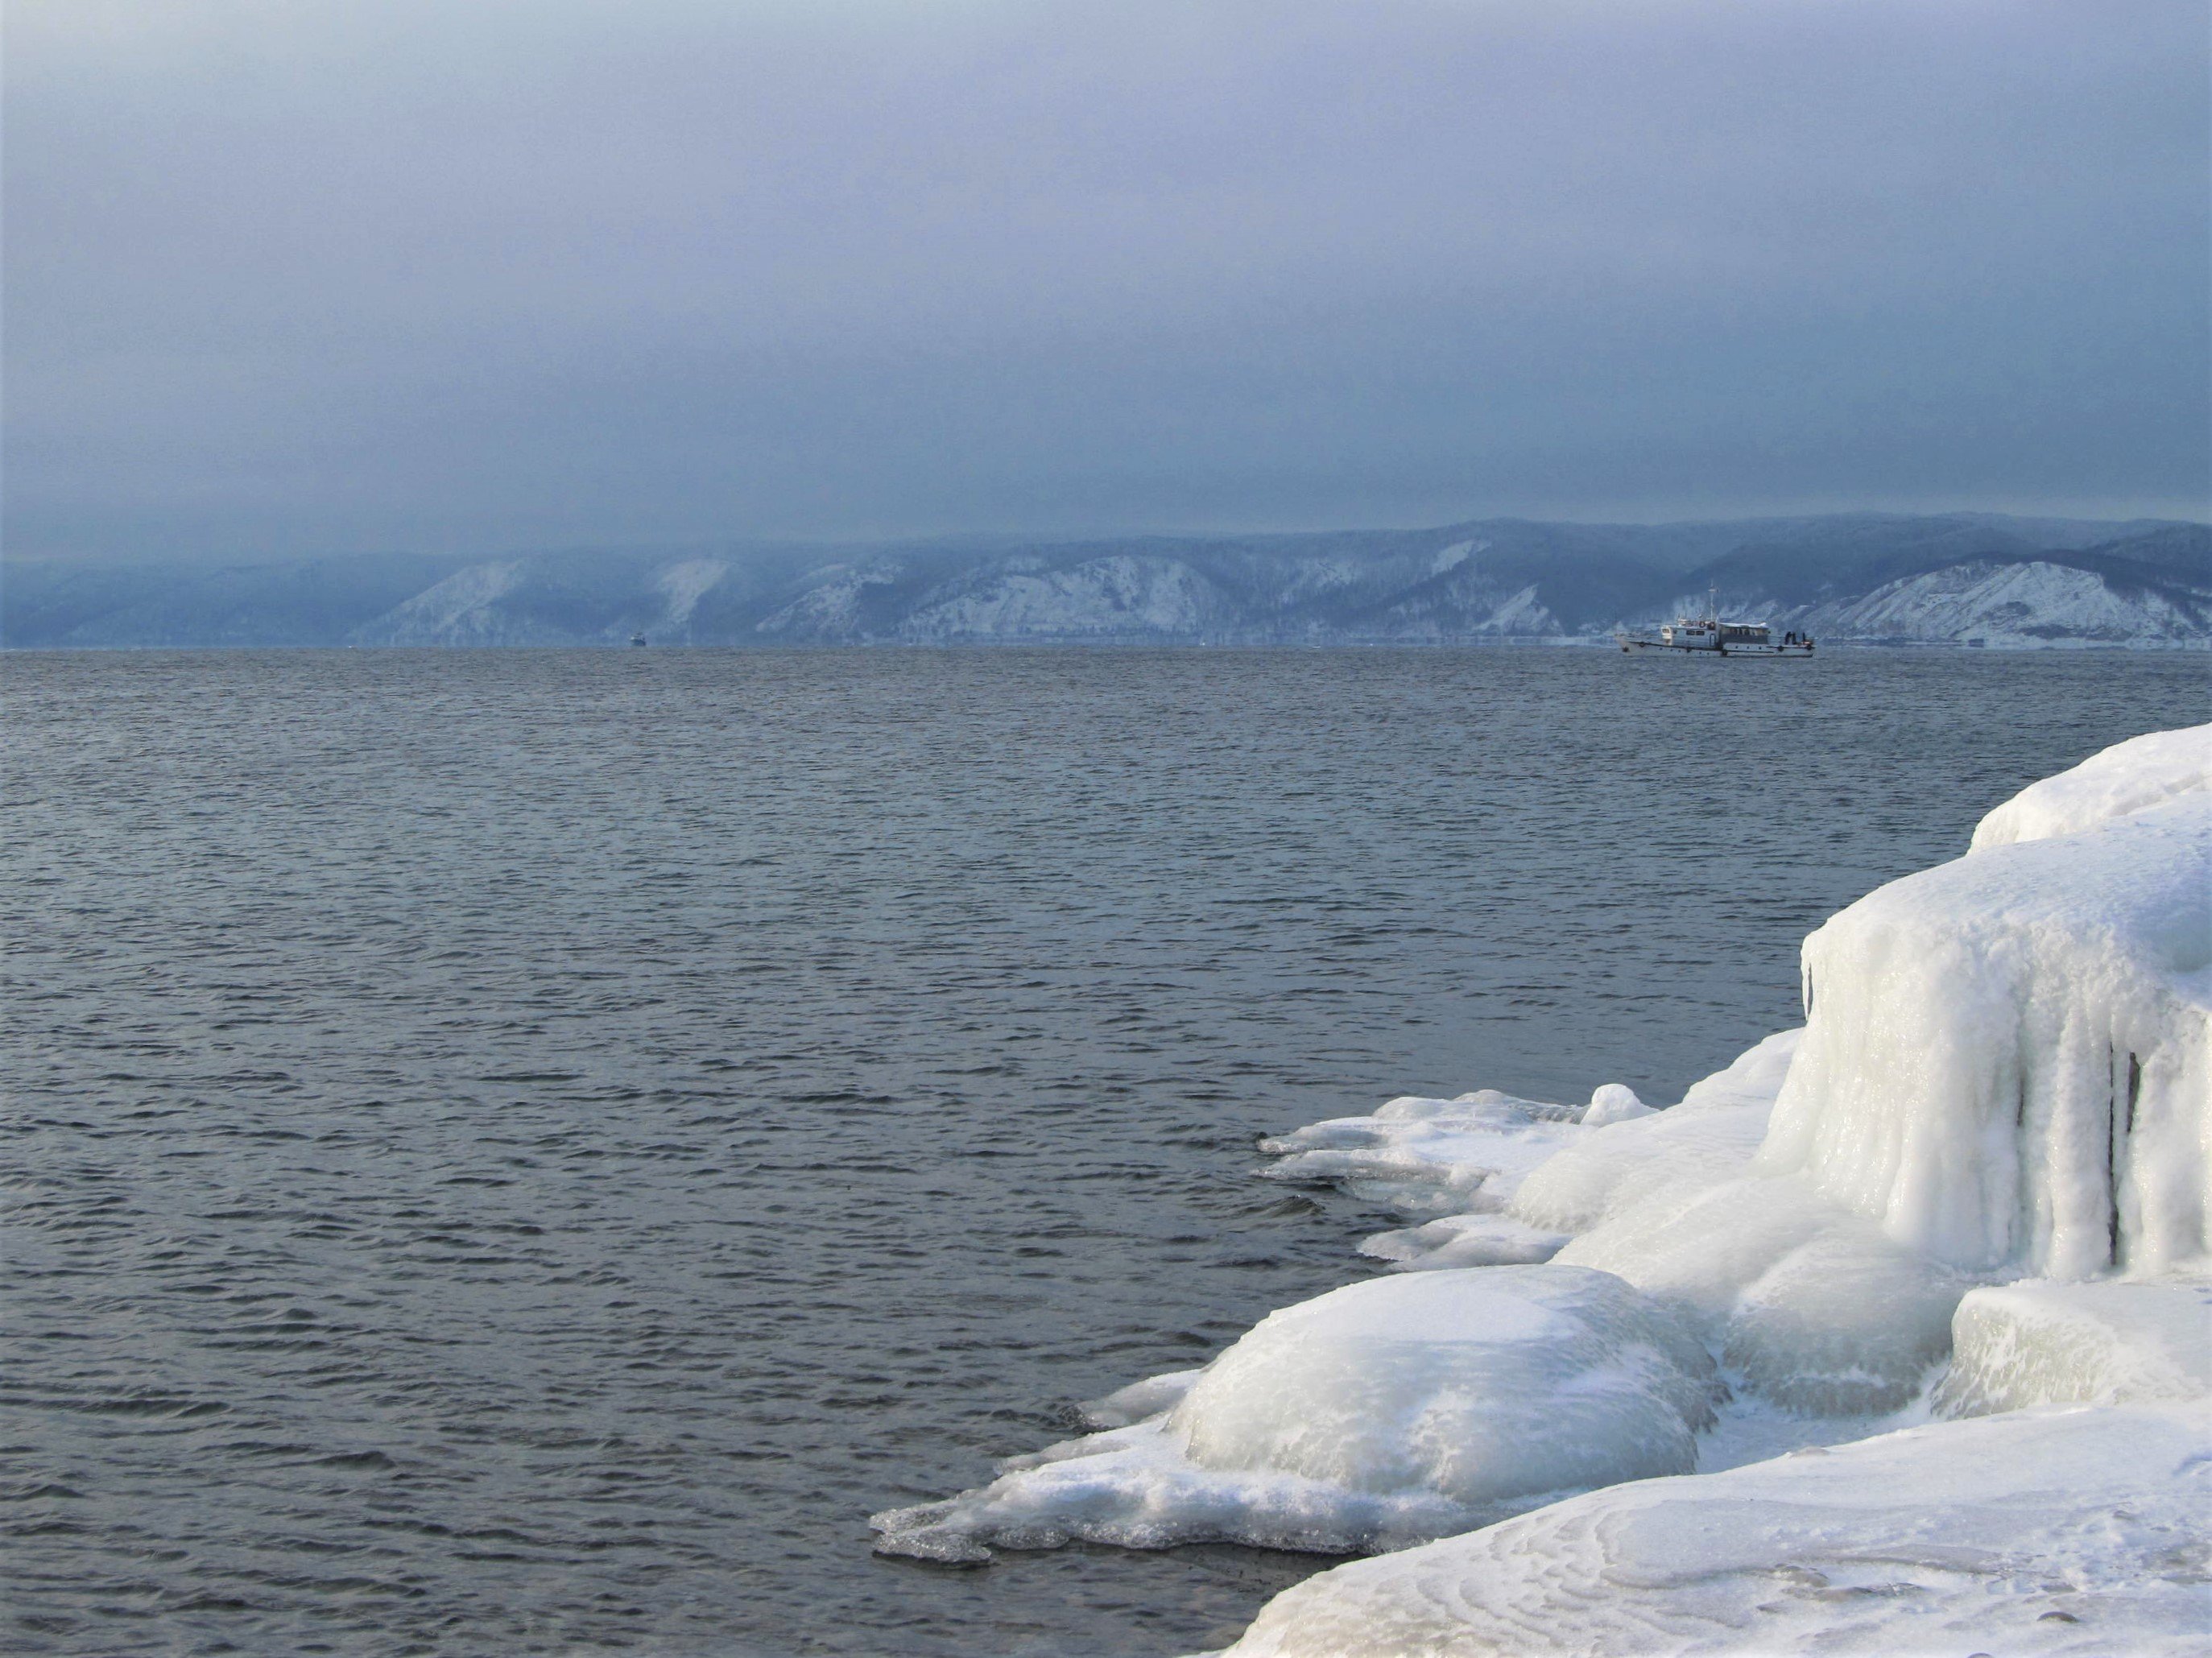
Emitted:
pixel 1104 597
pixel 1380 1413
pixel 462 610
pixel 829 610
pixel 2126 778
pixel 683 585
pixel 2048 1532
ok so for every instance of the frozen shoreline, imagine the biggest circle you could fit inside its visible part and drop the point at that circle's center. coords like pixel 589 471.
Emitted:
pixel 1957 1224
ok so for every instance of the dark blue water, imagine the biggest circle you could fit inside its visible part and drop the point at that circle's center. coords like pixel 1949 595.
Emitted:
pixel 523 1152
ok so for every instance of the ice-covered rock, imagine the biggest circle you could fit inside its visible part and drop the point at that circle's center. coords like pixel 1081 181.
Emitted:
pixel 2009 1059
pixel 2039 1533
pixel 1663 1202
pixel 2039 1343
pixel 2143 771
pixel 1382 1412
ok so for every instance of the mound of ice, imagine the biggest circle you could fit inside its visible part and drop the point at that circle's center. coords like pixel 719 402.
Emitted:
pixel 2045 1532
pixel 1426 1155
pixel 1463 1240
pixel 1809 1307
pixel 1382 1412
pixel 2039 1343
pixel 1614 1102
pixel 2009 1058
pixel 1707 1139
pixel 2125 779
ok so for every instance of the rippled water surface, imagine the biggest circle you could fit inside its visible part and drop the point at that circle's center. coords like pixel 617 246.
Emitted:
pixel 523 1152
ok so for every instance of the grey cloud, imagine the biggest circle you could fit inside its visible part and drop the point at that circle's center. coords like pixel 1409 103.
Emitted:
pixel 288 278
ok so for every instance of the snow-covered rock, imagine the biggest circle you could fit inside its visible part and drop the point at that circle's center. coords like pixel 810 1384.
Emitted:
pixel 2049 1532
pixel 1810 1307
pixel 1377 1414
pixel 2003 1077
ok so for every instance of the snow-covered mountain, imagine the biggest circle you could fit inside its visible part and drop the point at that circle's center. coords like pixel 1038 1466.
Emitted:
pixel 1957 578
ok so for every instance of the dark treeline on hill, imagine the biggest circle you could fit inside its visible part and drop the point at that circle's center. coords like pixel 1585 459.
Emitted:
pixel 1956 578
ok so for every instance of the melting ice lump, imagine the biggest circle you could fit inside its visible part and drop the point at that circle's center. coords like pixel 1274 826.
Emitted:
pixel 1423 1156
pixel 2143 771
pixel 2041 1532
pixel 1382 1412
pixel 1463 1240
pixel 2109 1343
pixel 1489 1387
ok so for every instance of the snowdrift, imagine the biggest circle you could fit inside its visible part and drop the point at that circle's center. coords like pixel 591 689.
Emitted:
pixel 1959 1217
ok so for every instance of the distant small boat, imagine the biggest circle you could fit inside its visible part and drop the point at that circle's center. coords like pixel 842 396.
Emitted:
pixel 1709 634
pixel 637 639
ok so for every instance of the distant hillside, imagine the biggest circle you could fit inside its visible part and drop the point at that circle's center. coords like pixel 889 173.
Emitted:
pixel 1954 579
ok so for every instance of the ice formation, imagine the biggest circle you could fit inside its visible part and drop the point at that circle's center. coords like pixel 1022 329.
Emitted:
pixel 2042 1531
pixel 2143 771
pixel 2006 1065
pixel 1963 1211
pixel 1378 1414
pixel 1421 1155
pixel 2106 1343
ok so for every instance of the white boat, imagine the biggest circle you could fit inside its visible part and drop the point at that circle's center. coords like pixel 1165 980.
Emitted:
pixel 1714 637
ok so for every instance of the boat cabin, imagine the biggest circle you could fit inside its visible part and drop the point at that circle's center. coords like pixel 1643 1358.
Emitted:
pixel 1706 634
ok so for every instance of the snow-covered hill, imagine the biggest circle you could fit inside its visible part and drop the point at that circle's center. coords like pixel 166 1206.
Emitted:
pixel 1958 578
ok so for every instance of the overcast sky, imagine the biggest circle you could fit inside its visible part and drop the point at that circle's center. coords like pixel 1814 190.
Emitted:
pixel 306 276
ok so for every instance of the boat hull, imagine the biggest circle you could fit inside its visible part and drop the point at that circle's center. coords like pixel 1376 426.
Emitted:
pixel 1660 648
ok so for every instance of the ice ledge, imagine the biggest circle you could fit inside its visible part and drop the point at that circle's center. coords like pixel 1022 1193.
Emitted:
pixel 2039 1343
pixel 2123 780
pixel 2046 1532
pixel 2009 1059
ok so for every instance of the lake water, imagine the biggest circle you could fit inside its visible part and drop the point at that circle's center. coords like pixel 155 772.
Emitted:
pixel 523 1152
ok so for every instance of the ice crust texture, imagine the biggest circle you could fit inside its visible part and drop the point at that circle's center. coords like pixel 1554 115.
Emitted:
pixel 1959 1217
pixel 2047 1532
